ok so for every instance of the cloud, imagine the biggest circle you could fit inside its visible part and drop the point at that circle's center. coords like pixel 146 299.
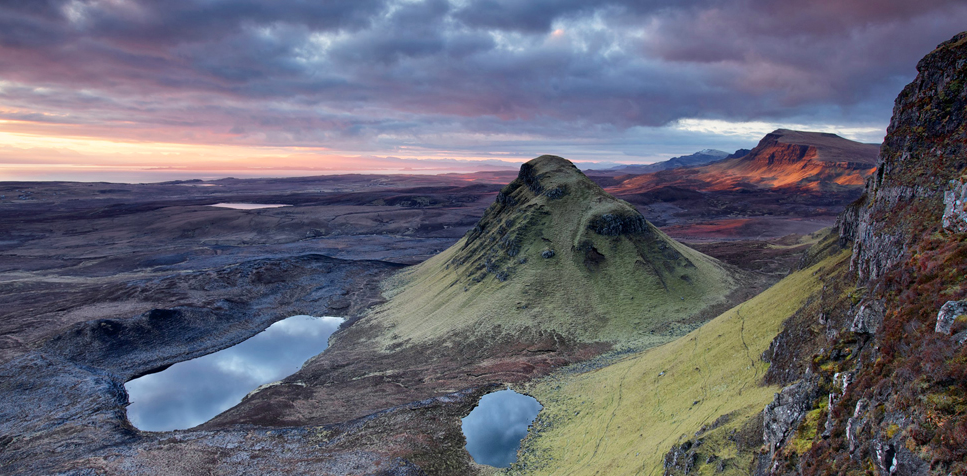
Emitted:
pixel 454 77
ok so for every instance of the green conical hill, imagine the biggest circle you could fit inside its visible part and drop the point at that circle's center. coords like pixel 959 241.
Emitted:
pixel 555 252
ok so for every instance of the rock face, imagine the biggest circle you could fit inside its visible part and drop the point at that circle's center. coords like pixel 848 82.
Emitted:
pixel 955 207
pixel 868 318
pixel 920 165
pixel 891 378
pixel 948 314
pixel 781 417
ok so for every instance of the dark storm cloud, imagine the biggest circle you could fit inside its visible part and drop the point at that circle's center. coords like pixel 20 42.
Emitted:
pixel 361 73
pixel 181 20
pixel 413 30
pixel 535 16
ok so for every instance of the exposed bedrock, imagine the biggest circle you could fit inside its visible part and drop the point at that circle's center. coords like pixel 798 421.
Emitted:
pixel 920 166
pixel 885 345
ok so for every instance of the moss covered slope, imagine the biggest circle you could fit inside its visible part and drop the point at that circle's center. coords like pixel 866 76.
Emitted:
pixel 623 418
pixel 557 253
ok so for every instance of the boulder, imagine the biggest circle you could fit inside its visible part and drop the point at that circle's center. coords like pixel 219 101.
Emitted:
pixel 868 318
pixel 781 417
pixel 955 207
pixel 948 314
pixel 856 423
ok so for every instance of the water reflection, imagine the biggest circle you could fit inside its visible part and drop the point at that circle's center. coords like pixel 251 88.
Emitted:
pixel 249 206
pixel 192 392
pixel 494 429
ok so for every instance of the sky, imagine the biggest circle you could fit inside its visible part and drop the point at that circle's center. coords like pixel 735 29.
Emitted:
pixel 148 90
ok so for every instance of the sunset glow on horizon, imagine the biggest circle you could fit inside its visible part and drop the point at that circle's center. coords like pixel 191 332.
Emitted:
pixel 138 90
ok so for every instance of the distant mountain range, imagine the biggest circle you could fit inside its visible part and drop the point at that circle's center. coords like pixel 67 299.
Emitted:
pixel 807 161
pixel 701 157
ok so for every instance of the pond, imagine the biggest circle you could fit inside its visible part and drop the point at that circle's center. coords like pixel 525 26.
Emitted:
pixel 192 392
pixel 249 206
pixel 494 429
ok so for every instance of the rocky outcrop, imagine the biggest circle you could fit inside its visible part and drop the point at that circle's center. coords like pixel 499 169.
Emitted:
pixel 868 317
pixel 781 417
pixel 856 423
pixel 920 164
pixel 616 224
pixel 887 369
pixel 955 207
pixel 949 313
pixel 682 458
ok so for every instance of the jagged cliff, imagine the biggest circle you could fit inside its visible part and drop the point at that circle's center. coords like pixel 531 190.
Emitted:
pixel 809 160
pixel 882 387
pixel 922 159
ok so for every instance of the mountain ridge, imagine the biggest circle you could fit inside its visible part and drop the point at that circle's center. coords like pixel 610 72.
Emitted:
pixel 809 161
pixel 702 157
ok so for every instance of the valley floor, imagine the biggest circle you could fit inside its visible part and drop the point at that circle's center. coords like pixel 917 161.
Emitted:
pixel 83 263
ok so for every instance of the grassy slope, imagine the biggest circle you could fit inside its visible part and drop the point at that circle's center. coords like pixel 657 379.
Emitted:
pixel 640 293
pixel 623 418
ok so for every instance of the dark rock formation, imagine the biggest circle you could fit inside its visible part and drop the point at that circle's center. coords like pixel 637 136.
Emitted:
pixel 920 163
pixel 890 381
pixel 610 224
pixel 948 314
pixel 868 317
pixel 781 417
pixel 681 459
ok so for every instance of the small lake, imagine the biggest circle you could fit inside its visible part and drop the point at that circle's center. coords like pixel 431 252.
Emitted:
pixel 494 429
pixel 249 206
pixel 192 392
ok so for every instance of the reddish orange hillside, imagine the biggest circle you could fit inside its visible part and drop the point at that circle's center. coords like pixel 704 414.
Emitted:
pixel 783 159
